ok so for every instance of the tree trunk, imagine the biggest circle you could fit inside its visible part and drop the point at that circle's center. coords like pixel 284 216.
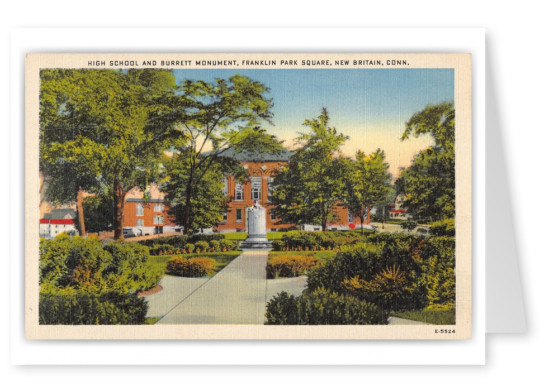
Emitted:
pixel 80 211
pixel 187 210
pixel 118 208
pixel 362 223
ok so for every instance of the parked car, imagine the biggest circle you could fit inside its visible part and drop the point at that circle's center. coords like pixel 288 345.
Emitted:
pixel 131 232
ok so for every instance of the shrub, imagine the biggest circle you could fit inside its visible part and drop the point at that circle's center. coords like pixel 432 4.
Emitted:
pixel 278 245
pixel 191 267
pixel 201 246
pixel 215 245
pixel 443 228
pixel 323 307
pixel 289 265
pixel 282 309
pixel 95 283
pixel 227 245
pixel 157 249
pixel 84 308
pixel 386 274
pixel 190 247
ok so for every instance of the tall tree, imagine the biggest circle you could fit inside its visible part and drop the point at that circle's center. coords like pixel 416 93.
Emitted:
pixel 429 183
pixel 309 189
pixel 210 118
pixel 96 124
pixel 208 200
pixel 367 183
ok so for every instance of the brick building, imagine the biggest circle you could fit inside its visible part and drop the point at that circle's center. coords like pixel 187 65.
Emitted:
pixel 151 216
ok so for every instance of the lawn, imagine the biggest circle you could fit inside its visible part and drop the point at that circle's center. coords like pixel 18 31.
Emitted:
pixel 222 259
pixel 428 316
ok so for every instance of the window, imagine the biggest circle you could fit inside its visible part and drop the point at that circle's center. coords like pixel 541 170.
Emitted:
pixel 139 209
pixel 238 192
pixel 139 222
pixel 159 208
pixel 270 188
pixel 239 215
pixel 256 186
pixel 350 217
pixel 224 216
pixel 158 219
pixel 225 191
pixel 273 215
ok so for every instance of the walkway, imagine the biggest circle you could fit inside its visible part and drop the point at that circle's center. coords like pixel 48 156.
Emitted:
pixel 235 295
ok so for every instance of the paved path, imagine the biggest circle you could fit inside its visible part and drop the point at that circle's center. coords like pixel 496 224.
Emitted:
pixel 235 295
pixel 399 321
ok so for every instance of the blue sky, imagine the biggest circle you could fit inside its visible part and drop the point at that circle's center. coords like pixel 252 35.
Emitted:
pixel 371 106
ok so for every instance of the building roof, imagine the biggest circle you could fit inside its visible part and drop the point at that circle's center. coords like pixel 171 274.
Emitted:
pixel 62 213
pixel 254 156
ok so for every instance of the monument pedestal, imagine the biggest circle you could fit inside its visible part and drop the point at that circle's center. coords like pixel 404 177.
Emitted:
pixel 256 227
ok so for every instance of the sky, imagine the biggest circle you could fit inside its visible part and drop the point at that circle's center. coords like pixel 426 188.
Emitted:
pixel 371 106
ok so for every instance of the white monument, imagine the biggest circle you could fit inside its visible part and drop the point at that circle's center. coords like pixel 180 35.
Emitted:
pixel 256 227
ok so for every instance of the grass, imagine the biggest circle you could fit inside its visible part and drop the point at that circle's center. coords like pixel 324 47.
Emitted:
pixel 222 259
pixel 152 320
pixel 428 316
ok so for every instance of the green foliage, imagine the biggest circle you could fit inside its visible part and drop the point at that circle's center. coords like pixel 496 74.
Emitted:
pixel 86 308
pixel 443 228
pixel 190 267
pixel 96 131
pixel 289 265
pixel 201 246
pixel 431 316
pixel 429 183
pixel 190 247
pixel 322 307
pixel 367 183
pixel 315 240
pixel 215 245
pixel 84 282
pixel 282 309
pixel 309 189
pixel 227 245
pixel 409 225
pixel 98 212
pixel 214 117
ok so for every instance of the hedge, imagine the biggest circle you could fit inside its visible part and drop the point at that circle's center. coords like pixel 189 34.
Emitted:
pixel 83 308
pixel 191 267
pixel 289 265
pixel 322 307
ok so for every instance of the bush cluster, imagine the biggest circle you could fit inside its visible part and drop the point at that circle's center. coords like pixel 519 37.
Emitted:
pixel 289 265
pixel 443 228
pixel 85 308
pixel 81 275
pixel 200 246
pixel 180 241
pixel 322 307
pixel 191 267
pixel 314 241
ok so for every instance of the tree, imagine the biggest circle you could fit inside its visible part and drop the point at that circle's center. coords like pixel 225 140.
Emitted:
pixel 429 183
pixel 367 183
pixel 207 198
pixel 98 209
pixel 96 130
pixel 209 118
pixel 309 189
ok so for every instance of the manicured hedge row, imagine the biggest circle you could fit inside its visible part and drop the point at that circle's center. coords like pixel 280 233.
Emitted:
pixel 179 241
pixel 289 265
pixel 83 308
pixel 190 267
pixel 322 307
pixel 312 241
pixel 200 246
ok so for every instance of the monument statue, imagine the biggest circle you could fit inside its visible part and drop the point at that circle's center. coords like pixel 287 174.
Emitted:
pixel 256 227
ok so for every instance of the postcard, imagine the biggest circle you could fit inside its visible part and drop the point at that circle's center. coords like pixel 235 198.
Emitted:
pixel 248 196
